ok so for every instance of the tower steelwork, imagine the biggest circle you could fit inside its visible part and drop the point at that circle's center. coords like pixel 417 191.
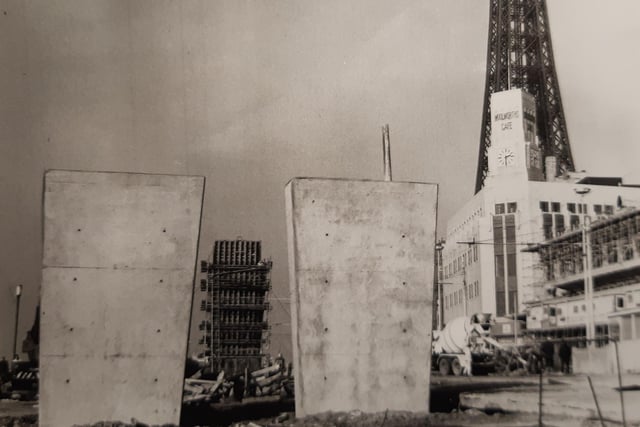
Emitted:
pixel 236 286
pixel 519 55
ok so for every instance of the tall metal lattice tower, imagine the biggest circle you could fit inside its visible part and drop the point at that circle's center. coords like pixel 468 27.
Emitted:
pixel 519 55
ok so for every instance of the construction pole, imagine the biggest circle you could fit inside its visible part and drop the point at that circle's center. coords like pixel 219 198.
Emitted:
pixel 15 330
pixel 593 392
pixel 386 152
pixel 586 270
pixel 439 248
pixel 540 394
pixel 464 289
pixel 624 420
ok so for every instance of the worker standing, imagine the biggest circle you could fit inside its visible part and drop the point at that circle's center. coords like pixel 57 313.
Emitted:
pixel 547 350
pixel 466 360
pixel 565 357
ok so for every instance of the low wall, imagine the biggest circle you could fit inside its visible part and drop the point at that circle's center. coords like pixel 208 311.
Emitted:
pixel 602 360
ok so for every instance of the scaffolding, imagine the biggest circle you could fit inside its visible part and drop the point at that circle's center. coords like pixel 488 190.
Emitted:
pixel 615 251
pixel 613 248
pixel 236 291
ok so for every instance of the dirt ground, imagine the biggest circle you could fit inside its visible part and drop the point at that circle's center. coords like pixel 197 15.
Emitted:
pixel 468 418
pixel 567 401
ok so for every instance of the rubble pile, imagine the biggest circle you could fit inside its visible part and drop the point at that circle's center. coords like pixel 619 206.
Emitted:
pixel 273 380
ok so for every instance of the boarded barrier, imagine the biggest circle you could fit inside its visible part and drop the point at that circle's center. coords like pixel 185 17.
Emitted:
pixel 118 268
pixel 361 258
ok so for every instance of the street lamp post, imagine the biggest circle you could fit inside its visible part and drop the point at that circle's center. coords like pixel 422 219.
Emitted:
pixel 586 269
pixel 439 248
pixel 464 289
pixel 15 330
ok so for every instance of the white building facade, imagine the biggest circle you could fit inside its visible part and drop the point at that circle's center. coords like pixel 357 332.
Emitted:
pixel 484 267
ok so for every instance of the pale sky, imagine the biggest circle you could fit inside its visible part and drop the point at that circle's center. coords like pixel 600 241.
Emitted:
pixel 253 93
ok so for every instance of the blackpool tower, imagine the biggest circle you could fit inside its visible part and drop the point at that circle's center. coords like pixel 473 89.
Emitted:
pixel 519 55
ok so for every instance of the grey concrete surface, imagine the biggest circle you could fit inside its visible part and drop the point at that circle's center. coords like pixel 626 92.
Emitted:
pixel 118 269
pixel 361 277
pixel 565 395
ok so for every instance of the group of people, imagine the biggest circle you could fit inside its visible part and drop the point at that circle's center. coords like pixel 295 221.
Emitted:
pixel 548 350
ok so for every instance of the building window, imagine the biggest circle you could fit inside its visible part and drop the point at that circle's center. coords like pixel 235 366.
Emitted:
pixel 627 253
pixel 512 207
pixel 559 219
pixel 498 239
pixel 574 220
pixel 612 253
pixel 547 226
pixel 544 206
pixel 597 209
pixel 571 207
pixel 555 207
pixel 499 208
pixel 504 238
pixel 512 276
pixel 575 308
pixel 582 208
pixel 475 252
pixel 608 209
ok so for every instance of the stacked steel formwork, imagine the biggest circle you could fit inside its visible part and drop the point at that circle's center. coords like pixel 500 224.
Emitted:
pixel 237 286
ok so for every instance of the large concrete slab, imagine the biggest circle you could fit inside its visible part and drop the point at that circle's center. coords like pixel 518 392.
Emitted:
pixel 361 257
pixel 118 269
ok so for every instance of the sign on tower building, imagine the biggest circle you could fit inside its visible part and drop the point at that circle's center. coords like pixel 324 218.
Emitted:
pixel 515 149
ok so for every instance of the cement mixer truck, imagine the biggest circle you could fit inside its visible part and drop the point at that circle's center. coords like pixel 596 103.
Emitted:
pixel 464 347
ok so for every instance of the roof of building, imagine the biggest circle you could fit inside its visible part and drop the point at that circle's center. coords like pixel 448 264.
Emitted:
pixel 600 180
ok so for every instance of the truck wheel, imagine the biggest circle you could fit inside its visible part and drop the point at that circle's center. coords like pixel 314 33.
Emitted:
pixel 456 367
pixel 444 367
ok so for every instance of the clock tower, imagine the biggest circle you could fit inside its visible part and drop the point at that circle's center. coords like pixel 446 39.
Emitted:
pixel 515 150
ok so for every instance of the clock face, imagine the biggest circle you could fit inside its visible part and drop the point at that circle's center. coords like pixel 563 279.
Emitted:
pixel 506 157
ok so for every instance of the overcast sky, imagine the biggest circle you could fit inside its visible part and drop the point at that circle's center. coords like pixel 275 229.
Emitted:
pixel 253 93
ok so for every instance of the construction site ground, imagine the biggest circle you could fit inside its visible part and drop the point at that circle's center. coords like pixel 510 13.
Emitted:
pixel 567 400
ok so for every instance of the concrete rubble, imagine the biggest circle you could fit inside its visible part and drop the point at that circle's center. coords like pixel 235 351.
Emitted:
pixel 273 380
